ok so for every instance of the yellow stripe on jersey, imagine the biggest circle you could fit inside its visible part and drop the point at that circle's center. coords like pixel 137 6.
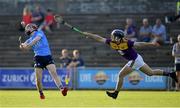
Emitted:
pixel 121 46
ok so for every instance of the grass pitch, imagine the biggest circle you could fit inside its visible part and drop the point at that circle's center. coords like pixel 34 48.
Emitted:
pixel 81 98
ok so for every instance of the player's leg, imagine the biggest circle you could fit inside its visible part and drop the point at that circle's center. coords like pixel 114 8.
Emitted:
pixel 38 72
pixel 147 70
pixel 124 71
pixel 52 70
pixel 177 68
pixel 178 83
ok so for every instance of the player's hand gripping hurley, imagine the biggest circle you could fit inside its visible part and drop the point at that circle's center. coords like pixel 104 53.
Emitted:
pixel 20 42
pixel 60 20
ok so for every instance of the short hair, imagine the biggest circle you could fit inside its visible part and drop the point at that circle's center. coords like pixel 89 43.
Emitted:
pixel 145 19
pixel 76 51
pixel 63 50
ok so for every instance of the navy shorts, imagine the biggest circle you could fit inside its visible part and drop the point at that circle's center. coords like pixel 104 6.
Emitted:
pixel 43 61
pixel 177 66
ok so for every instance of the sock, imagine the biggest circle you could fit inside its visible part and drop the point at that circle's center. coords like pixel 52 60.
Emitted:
pixel 40 92
pixel 116 92
pixel 61 87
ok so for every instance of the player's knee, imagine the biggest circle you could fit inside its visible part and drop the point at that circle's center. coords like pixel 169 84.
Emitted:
pixel 38 79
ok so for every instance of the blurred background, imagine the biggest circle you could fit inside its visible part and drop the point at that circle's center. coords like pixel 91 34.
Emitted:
pixel 100 63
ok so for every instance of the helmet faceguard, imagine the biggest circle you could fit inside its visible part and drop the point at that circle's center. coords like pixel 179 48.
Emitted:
pixel 30 28
pixel 117 34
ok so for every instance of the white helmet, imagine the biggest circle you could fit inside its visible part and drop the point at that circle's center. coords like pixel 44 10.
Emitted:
pixel 30 28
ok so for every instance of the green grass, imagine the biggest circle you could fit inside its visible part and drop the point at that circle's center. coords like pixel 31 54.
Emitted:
pixel 30 98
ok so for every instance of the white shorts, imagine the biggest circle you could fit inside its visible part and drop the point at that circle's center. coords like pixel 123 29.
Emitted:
pixel 138 63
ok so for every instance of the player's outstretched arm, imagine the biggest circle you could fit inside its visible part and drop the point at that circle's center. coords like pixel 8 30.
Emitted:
pixel 95 36
pixel 144 44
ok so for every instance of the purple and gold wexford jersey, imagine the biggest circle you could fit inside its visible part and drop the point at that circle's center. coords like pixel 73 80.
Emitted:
pixel 125 49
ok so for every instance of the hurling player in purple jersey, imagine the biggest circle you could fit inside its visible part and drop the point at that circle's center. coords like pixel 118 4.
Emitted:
pixel 135 61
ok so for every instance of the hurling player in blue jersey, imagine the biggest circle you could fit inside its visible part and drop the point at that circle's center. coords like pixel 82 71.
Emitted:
pixel 42 58
pixel 135 61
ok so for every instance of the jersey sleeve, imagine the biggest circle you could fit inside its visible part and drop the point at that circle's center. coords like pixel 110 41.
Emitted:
pixel 130 43
pixel 28 41
pixel 108 41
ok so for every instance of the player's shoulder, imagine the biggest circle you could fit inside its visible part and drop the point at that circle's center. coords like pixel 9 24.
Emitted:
pixel 108 40
pixel 127 41
pixel 130 42
pixel 39 33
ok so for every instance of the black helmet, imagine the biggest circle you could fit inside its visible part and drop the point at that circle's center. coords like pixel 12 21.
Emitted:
pixel 117 33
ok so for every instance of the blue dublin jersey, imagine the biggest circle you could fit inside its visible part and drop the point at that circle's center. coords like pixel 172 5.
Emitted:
pixel 41 48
